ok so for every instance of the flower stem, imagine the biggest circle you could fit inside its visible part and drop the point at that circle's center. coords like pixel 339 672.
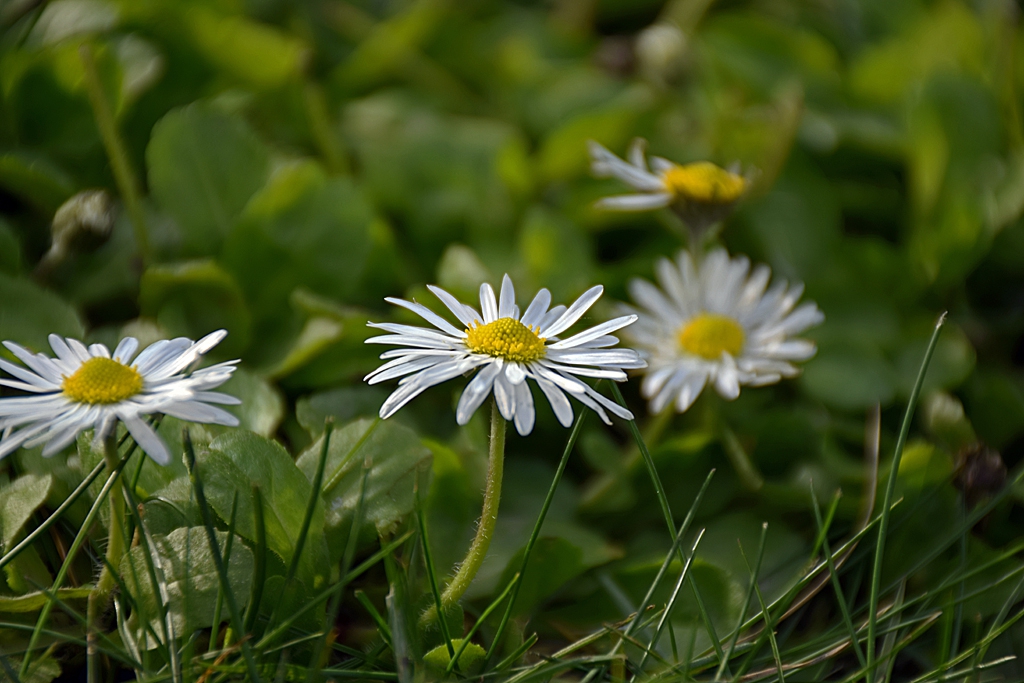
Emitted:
pixel 120 163
pixel 488 517
pixel 115 549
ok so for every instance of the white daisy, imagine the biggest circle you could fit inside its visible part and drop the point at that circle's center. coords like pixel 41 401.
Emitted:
pixel 507 349
pixel 716 324
pixel 700 192
pixel 87 387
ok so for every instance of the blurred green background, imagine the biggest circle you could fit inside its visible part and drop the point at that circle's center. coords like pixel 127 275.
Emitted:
pixel 292 163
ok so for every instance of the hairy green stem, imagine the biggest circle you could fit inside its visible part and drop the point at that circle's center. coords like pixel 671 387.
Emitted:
pixel 488 517
pixel 100 595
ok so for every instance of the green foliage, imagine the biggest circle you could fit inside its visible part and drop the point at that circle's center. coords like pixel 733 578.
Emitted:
pixel 291 164
pixel 394 461
pixel 187 590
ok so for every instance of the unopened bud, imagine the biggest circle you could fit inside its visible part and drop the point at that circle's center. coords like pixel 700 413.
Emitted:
pixel 83 222
pixel 660 50
pixel 945 419
pixel 980 473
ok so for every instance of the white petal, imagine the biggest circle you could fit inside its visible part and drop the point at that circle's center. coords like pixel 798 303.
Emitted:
pixel 99 351
pixel 27 376
pixel 689 390
pixel 727 379
pixel 466 314
pixel 515 373
pixel 599 373
pixel 488 306
pixel 79 349
pixel 636 153
pixel 507 299
pixel 63 351
pixel 147 439
pixel 217 397
pixel 420 342
pixel 428 315
pixel 412 330
pixel 401 367
pixel 620 358
pixel 194 411
pixel 551 316
pixel 43 366
pixel 61 440
pixel 206 344
pixel 476 391
pixel 595 332
pixel 634 202
pixel 25 386
pixel 525 412
pixel 604 164
pixel 537 308
pixel 660 164
pixel 559 403
pixel 574 312
pixel 504 396
pixel 126 349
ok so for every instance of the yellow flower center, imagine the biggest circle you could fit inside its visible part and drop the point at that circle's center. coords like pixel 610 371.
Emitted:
pixel 707 335
pixel 506 338
pixel 704 182
pixel 102 380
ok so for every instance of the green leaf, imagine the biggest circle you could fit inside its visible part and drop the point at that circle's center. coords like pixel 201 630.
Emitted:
pixel 849 377
pixel 33 602
pixel 35 179
pixel 343 404
pixel 185 560
pixel 555 253
pixel 29 314
pixel 204 166
pixel 553 562
pixel 262 407
pixel 250 51
pixel 239 459
pixel 397 459
pixel 195 298
pixel 270 257
pixel 18 500
pixel 10 250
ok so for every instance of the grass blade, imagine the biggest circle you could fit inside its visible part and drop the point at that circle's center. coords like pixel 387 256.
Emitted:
pixel 666 616
pixel 218 560
pixel 252 610
pixel 890 491
pixel 570 444
pixel 483 617
pixel 666 510
pixel 836 585
pixel 724 663
pixel 432 579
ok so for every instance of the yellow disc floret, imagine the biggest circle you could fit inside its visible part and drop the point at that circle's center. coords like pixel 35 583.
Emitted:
pixel 707 335
pixel 102 380
pixel 506 338
pixel 704 182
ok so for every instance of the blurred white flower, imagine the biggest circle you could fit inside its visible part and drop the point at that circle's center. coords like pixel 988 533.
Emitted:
pixel 701 192
pixel 716 324
pixel 507 349
pixel 87 387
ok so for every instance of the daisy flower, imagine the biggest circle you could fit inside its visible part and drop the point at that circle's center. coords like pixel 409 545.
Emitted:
pixel 716 324
pixel 506 349
pixel 701 192
pixel 87 386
